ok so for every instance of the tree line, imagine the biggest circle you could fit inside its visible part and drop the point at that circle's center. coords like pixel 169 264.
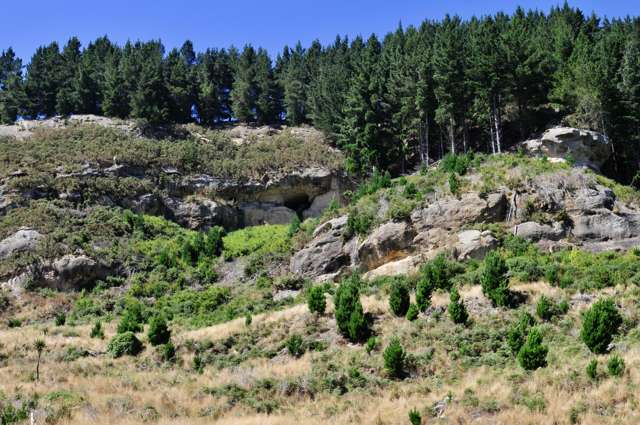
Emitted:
pixel 420 92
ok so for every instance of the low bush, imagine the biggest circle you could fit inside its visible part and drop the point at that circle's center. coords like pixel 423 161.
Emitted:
pixel 348 310
pixel 517 334
pixel 168 352
pixel 414 417
pixel 159 332
pixel 295 345
pixel 615 366
pixel 394 358
pixel 96 331
pixel 316 300
pixel 599 325
pixel 457 310
pixel 545 309
pixel 412 312
pixel 60 319
pixel 592 369
pixel 132 318
pixel 494 279
pixel 124 344
pixel 533 354
pixel 399 298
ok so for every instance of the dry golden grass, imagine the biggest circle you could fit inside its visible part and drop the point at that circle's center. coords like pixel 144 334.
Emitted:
pixel 122 391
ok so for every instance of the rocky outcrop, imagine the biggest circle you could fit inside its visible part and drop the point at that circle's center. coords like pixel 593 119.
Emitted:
pixel 21 241
pixel 69 273
pixel 72 272
pixel 535 232
pixel 326 254
pixel 474 244
pixel 587 148
pixel 388 242
pixel 452 213
pixel 257 213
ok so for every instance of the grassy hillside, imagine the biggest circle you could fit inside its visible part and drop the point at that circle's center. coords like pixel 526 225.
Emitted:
pixel 244 347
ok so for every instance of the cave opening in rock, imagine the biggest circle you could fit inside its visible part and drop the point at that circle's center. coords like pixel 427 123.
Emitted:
pixel 298 203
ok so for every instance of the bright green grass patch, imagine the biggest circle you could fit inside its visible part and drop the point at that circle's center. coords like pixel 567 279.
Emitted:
pixel 257 240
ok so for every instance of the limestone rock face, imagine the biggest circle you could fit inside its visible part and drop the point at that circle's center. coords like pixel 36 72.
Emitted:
pixel 326 254
pixel 588 148
pixel 388 242
pixel 257 213
pixel 452 213
pixel 474 244
pixel 535 232
pixel 73 272
pixel 22 240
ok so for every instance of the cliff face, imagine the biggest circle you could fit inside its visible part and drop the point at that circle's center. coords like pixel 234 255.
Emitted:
pixel 556 207
pixel 65 178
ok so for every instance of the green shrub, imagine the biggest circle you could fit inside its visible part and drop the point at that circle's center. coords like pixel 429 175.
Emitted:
pixel 357 224
pixel 168 352
pixel 494 279
pixel 132 319
pixel 412 312
pixel 159 332
pixel 615 366
pixel 453 163
pixel 533 354
pixel 372 342
pixel 592 369
pixel 394 358
pixel 399 298
pixel 294 226
pixel 434 274
pixel 96 331
pixel 248 319
pixel 198 364
pixel 124 344
pixel 14 323
pixel 517 334
pixel 457 310
pixel 454 184
pixel 316 300
pixel 545 309
pixel 563 307
pixel 599 325
pixel 213 242
pixel 60 319
pixel 414 417
pixel 348 310
pixel 295 345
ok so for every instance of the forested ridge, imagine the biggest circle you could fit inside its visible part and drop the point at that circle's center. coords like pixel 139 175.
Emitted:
pixel 453 85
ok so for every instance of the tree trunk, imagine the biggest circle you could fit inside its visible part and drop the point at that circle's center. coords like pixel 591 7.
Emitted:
pixel 452 140
pixel 493 141
pixel 38 368
pixel 497 121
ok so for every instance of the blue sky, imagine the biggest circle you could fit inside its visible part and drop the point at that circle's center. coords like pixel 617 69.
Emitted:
pixel 213 23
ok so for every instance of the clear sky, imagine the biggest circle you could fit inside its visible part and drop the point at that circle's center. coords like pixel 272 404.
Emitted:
pixel 270 24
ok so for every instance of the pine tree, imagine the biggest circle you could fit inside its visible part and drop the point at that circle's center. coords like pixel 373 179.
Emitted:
pixel 66 97
pixel 12 97
pixel 150 99
pixel 180 82
pixel 364 133
pixel 294 81
pixel 42 81
pixel 115 96
pixel 244 93
pixel 267 103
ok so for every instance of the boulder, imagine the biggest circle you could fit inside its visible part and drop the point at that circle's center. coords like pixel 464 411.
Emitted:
pixel 21 241
pixel 72 272
pixel 327 252
pixel 257 213
pixel 535 232
pixel 453 213
pixel 405 266
pixel 201 214
pixel 320 203
pixel 386 243
pixel 605 225
pixel 588 148
pixel 474 244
